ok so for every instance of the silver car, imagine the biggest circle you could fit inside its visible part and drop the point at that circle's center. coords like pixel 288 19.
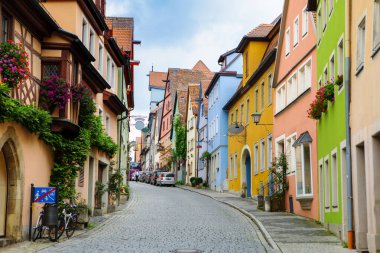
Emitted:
pixel 166 178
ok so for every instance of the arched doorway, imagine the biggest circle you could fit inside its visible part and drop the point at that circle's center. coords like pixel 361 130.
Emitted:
pixel 3 195
pixel 10 192
pixel 246 175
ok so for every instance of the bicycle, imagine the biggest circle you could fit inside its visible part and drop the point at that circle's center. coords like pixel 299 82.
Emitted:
pixel 67 221
pixel 39 230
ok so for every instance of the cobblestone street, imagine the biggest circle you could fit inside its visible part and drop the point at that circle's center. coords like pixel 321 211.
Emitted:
pixel 165 219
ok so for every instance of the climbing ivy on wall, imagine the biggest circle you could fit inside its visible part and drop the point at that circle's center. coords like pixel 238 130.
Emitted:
pixel 180 139
pixel 69 154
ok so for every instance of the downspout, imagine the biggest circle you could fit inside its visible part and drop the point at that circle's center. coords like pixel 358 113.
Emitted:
pixel 350 227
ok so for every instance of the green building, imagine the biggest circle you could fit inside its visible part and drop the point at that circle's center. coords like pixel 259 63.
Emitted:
pixel 331 127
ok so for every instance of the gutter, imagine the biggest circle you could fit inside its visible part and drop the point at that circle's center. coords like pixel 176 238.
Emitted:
pixel 350 227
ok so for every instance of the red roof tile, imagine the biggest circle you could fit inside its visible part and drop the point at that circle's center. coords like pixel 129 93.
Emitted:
pixel 155 79
pixel 260 31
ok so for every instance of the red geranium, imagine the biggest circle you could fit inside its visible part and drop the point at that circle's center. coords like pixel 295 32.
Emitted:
pixel 14 65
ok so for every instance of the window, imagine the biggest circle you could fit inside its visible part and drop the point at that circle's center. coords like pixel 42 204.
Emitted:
pixel 295 32
pixel 236 166
pixel 280 147
pixel 256 158
pixel 307 75
pixel 107 124
pixel 81 177
pixel 231 168
pixel 247 113
pixel 327 185
pixel 324 15
pixel 340 57
pixel 262 155
pixel 320 83
pixel 292 88
pixel 262 95
pixel 303 172
pixel 332 68
pixel 291 153
pixel 269 153
pixel 232 119
pixel 236 115
pixel 100 59
pixel 108 69
pixel 325 76
pixel 301 80
pixel 270 80
pixel 334 180
pixel 305 22
pixel 217 125
pixel 92 42
pixel 51 69
pixel 257 100
pixel 360 45
pixel 287 42
pixel 280 98
pixel 112 76
pixel 331 6
pixel 6 27
pixel 246 65
pixel 319 25
pixel 101 114
pixel 376 25
pixel 84 32
pixel 242 112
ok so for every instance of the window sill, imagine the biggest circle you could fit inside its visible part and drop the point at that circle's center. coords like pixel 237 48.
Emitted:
pixel 359 69
pixel 375 50
pixel 305 201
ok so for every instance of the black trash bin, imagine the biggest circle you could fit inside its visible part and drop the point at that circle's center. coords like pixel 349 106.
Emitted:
pixel 50 217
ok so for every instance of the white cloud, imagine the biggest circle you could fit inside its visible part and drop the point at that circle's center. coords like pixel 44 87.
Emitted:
pixel 219 26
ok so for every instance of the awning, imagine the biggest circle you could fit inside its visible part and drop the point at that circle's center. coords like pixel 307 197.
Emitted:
pixel 304 138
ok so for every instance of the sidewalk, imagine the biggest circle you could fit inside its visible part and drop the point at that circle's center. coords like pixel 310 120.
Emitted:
pixel 283 231
pixel 97 222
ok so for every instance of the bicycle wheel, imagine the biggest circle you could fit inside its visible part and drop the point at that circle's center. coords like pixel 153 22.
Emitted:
pixel 70 229
pixel 37 230
pixel 61 229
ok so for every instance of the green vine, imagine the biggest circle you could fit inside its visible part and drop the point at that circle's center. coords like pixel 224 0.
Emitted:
pixel 180 139
pixel 69 154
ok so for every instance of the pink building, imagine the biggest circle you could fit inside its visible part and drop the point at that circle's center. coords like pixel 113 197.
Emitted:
pixel 294 84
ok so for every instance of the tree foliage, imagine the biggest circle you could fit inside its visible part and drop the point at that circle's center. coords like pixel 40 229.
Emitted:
pixel 180 139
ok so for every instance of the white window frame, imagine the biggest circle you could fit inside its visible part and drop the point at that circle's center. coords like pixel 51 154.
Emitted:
pixel 108 124
pixel 269 151
pixel 340 56
pixel 108 71
pixel 376 24
pixel 296 31
pixel 112 75
pixel 236 165
pixel 291 152
pixel 291 88
pixel 331 7
pixel 305 22
pixel 262 97
pixel 262 155
pixel 287 41
pixel 91 46
pixel 281 97
pixel 255 157
pixel 326 175
pixel 278 140
pixel 325 75
pixel 332 66
pixel 100 58
pixel 269 88
pixel 360 45
pixel 303 171
pixel 334 181
pixel 85 34
pixel 247 111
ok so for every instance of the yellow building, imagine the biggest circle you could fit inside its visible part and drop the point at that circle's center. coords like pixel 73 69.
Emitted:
pixel 250 144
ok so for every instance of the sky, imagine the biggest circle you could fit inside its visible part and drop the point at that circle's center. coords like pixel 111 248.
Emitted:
pixel 178 33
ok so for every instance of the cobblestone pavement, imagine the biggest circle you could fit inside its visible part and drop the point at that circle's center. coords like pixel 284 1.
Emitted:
pixel 163 219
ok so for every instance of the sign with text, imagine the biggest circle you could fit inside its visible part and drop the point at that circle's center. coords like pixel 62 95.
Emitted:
pixel 44 194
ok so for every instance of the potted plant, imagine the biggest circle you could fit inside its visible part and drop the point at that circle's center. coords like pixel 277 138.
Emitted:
pixel 14 65
pixel 192 181
pixel 114 189
pixel 54 95
pixel 198 182
pixel 124 194
pixel 100 189
pixel 279 183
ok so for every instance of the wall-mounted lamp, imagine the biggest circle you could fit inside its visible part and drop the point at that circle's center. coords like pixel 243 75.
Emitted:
pixel 256 119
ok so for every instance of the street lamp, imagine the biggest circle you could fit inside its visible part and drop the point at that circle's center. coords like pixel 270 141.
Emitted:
pixel 256 119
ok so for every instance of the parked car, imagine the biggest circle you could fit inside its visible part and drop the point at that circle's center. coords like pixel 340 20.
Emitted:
pixel 166 178
pixel 147 177
pixel 142 177
pixel 156 174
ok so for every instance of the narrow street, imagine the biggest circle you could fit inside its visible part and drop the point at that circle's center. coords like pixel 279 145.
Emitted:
pixel 164 219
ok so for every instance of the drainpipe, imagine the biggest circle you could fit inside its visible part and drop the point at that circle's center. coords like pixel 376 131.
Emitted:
pixel 350 227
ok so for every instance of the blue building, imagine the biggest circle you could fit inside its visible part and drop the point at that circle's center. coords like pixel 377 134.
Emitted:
pixel 156 87
pixel 222 87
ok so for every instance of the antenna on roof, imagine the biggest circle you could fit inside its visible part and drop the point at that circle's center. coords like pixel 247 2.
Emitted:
pixel 152 67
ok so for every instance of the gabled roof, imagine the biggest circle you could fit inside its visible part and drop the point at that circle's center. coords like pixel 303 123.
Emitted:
pixel 223 56
pixel 200 66
pixel 259 33
pixel 156 79
pixel 192 100
pixel 216 78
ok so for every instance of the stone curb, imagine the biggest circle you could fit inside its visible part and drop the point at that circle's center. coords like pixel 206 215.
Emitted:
pixel 261 227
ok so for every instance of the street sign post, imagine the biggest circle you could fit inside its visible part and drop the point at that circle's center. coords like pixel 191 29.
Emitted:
pixel 44 195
